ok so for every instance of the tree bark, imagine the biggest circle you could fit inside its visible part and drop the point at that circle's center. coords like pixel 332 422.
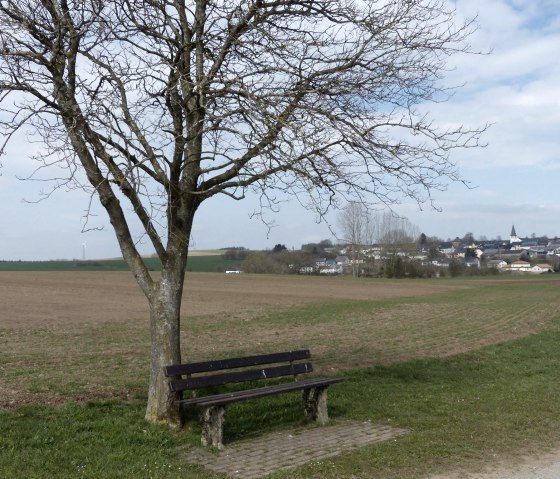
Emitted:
pixel 165 322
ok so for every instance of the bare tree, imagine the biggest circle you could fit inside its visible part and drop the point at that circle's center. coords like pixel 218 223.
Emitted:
pixel 357 228
pixel 156 106
pixel 397 236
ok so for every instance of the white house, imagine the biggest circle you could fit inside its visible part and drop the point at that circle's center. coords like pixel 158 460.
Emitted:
pixel 497 263
pixel 471 262
pixel 519 267
pixel 342 260
pixel 331 270
pixel 541 268
pixel 525 267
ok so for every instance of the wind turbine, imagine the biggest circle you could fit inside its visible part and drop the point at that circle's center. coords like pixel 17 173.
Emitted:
pixel 84 244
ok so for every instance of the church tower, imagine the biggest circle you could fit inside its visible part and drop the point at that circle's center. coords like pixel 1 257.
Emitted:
pixel 513 238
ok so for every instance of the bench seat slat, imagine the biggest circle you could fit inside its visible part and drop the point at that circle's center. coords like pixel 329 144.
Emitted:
pixel 239 376
pixel 236 396
pixel 233 363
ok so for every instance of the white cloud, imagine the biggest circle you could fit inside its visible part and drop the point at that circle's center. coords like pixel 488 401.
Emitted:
pixel 515 87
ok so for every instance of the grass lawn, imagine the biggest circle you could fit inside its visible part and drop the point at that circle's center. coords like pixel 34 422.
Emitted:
pixel 474 403
pixel 462 411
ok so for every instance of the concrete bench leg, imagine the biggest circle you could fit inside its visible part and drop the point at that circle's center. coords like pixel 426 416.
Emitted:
pixel 213 426
pixel 315 404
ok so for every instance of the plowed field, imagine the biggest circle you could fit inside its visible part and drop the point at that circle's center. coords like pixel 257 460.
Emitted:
pixel 40 299
pixel 80 336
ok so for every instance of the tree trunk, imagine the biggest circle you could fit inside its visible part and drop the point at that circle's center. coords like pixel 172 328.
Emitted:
pixel 354 261
pixel 165 307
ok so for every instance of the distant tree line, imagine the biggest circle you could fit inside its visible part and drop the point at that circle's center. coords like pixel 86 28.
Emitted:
pixel 277 261
pixel 238 253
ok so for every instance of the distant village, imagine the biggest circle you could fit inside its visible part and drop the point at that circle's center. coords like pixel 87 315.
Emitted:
pixel 521 255
pixel 423 257
pixel 534 255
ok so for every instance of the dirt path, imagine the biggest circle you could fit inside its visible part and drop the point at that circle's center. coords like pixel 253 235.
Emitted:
pixel 545 466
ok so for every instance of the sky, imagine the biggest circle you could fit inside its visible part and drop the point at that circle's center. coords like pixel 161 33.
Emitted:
pixel 514 180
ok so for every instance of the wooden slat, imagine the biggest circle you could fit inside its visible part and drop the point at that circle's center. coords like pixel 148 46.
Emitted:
pixel 237 396
pixel 239 376
pixel 233 363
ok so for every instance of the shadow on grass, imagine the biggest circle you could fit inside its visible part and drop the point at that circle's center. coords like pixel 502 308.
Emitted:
pixel 257 417
pixel 462 411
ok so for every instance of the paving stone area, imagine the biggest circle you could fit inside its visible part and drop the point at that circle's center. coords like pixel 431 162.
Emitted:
pixel 260 457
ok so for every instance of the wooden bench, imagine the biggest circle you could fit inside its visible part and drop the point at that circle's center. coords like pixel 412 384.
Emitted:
pixel 196 376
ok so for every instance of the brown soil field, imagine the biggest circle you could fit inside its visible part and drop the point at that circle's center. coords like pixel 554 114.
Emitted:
pixel 81 336
pixel 38 299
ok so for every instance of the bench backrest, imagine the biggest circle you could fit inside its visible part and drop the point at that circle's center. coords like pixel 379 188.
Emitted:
pixel 197 373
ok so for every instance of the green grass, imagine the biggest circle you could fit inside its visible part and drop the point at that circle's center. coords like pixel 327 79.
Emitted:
pixel 201 264
pixel 98 439
pixel 465 410
pixel 211 264
pixel 461 410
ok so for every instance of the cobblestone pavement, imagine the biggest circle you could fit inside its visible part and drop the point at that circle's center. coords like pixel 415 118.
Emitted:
pixel 256 458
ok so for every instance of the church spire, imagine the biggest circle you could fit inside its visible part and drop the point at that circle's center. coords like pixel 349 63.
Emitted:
pixel 513 238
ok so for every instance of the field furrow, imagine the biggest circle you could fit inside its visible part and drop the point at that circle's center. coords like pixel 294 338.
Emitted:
pixel 86 335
